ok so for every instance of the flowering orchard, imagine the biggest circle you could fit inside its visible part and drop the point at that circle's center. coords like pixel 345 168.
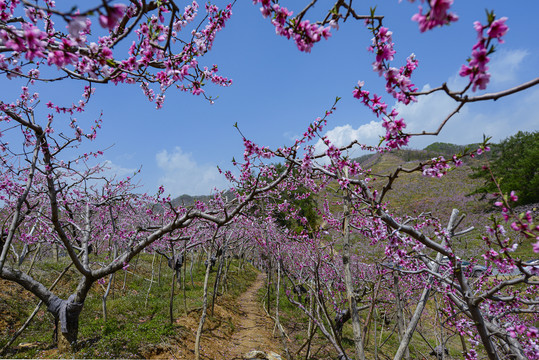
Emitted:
pixel 51 198
pixel 481 311
pixel 356 253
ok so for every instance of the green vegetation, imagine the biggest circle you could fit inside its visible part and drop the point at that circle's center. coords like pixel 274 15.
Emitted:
pixel 305 205
pixel 447 149
pixel 295 322
pixel 514 165
pixel 413 193
pixel 138 325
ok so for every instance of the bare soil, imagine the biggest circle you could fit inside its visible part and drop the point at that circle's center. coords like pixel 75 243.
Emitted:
pixel 235 329
pixel 254 331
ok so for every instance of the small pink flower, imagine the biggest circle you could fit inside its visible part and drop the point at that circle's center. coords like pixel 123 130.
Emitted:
pixel 536 247
pixel 437 16
pixel 511 331
pixel 76 25
pixel 498 29
pixel 481 81
pixel 479 59
pixel 513 196
pixel 479 28
pixel 114 13
pixel 35 43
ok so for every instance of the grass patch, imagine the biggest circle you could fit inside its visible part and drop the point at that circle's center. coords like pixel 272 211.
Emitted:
pixel 295 322
pixel 137 321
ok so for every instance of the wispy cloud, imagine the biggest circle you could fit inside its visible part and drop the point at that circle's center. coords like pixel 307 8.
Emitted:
pixel 429 112
pixel 183 175
pixel 114 170
pixel 505 65
pixel 368 134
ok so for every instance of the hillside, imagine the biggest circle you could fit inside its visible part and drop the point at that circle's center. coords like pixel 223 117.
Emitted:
pixel 413 194
pixel 188 200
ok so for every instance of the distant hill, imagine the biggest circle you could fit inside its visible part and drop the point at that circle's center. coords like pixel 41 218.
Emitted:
pixel 436 149
pixel 189 200
pixel 413 194
pixel 447 148
pixel 368 161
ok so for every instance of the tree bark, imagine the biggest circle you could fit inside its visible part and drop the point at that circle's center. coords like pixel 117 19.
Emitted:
pixel 151 281
pixel 38 306
pixel 171 305
pixel 352 303
pixel 66 313
pixel 400 313
pixel 268 292
pixel 106 295
pixel 277 305
pixel 34 259
pixel 218 275
pixel 204 299
pixel 109 286
pixel 403 347
pixel 183 279
pixel 374 299
pixel 311 328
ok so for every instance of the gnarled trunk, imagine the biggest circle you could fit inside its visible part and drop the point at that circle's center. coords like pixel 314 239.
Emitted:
pixel 66 313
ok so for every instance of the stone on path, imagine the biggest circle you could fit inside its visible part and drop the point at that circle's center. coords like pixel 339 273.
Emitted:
pixel 258 354
pixel 274 356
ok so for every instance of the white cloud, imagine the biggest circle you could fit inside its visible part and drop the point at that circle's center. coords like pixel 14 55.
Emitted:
pixel 113 170
pixel 368 134
pixel 498 119
pixel 182 174
pixel 505 65
pixel 518 114
pixel 291 136
pixel 430 111
pixel 426 114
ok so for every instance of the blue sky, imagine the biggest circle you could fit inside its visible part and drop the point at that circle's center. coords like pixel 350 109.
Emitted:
pixel 278 91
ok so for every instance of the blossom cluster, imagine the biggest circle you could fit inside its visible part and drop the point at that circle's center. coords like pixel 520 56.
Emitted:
pixel 476 69
pixel 437 168
pixel 303 32
pixel 398 84
pixel 524 223
pixel 437 15
pixel 158 45
pixel 395 137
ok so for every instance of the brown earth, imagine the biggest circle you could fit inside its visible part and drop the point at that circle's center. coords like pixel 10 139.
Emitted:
pixel 8 315
pixel 235 329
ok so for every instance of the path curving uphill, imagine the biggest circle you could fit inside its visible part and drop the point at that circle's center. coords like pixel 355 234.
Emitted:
pixel 254 332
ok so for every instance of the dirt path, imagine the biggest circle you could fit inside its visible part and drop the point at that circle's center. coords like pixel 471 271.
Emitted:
pixel 237 328
pixel 255 329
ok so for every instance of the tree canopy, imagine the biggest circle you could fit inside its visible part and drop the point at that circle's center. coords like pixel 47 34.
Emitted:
pixel 514 166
